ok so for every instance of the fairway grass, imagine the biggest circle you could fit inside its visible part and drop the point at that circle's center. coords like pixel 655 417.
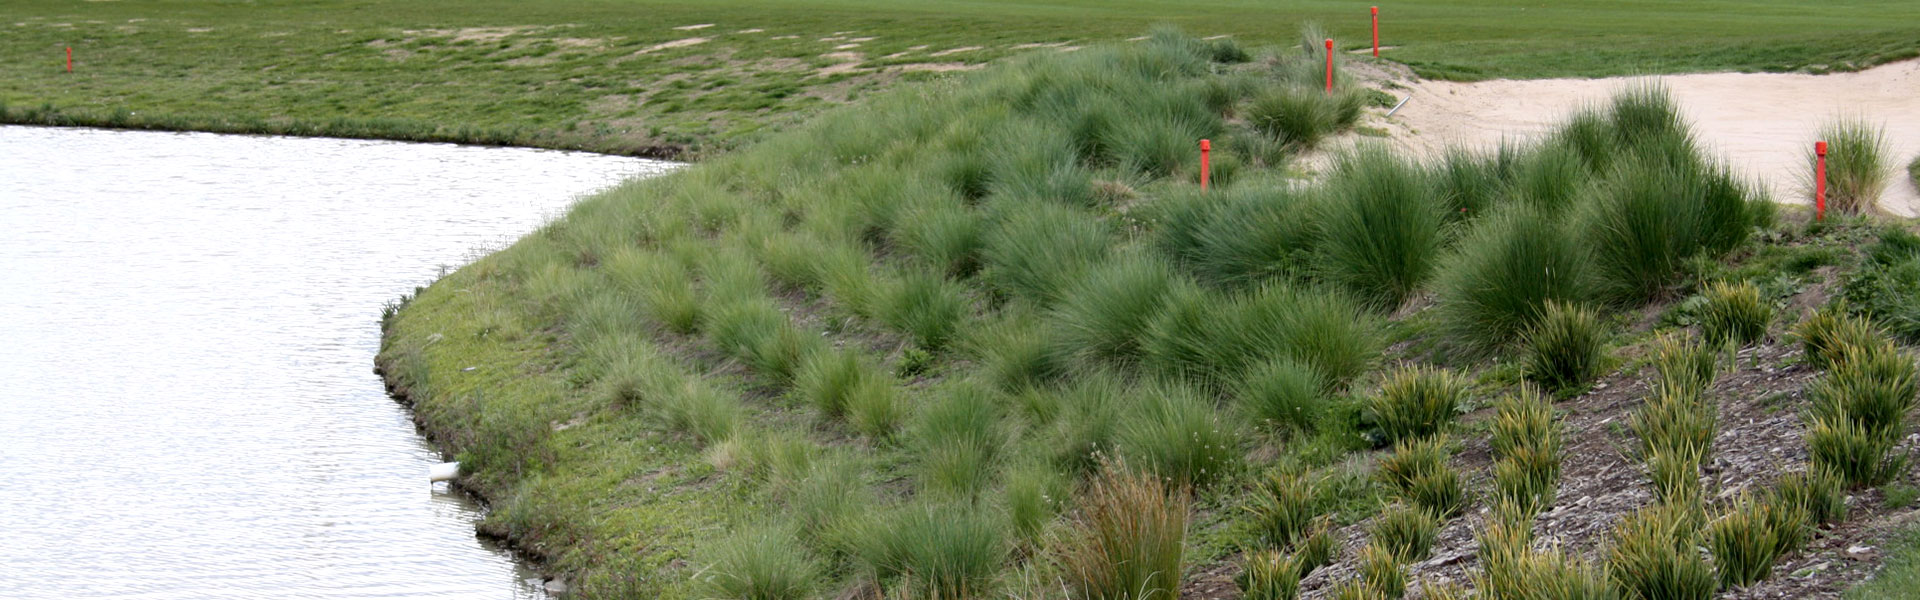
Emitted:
pixel 644 77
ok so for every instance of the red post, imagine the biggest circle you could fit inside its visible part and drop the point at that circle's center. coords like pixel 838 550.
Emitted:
pixel 69 59
pixel 1206 166
pixel 1820 181
pixel 1376 32
pixel 1329 65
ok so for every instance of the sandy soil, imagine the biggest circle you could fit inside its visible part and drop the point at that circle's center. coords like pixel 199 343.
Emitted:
pixel 1762 123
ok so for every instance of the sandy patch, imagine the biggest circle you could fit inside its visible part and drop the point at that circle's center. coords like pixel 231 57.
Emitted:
pixel 580 42
pixel 1137 39
pixel 199 30
pixel 693 27
pixel 846 46
pixel 472 34
pixel 836 69
pixel 784 37
pixel 1216 37
pixel 952 51
pixel 680 43
pixel 934 67
pixel 1369 49
pixel 754 30
pixel 862 39
pixel 1031 46
pixel 1761 123
pixel 842 55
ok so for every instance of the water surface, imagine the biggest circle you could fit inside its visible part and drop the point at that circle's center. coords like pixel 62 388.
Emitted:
pixel 187 329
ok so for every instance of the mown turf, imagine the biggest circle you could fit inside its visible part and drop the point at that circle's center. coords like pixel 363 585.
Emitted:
pixel 593 74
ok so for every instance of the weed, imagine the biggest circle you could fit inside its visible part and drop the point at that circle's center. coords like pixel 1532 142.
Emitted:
pixel 1416 403
pixel 1126 543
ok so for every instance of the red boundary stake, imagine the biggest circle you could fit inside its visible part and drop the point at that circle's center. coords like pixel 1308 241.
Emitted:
pixel 1376 32
pixel 1820 181
pixel 1206 166
pixel 69 59
pixel 1329 65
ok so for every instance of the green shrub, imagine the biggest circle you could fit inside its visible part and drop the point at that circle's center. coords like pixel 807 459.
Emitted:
pixel 1283 393
pixel 1566 348
pixel 927 307
pixel 1103 316
pixel 1380 228
pixel 1405 532
pixel 1039 248
pixel 763 563
pixel 1654 556
pixel 1734 312
pixel 1859 165
pixel 1504 272
pixel 1654 213
pixel 1416 402
pixel 945 551
pixel 1828 335
pixel 1177 435
pixel 1127 540
pixel 1282 508
pixel 1749 537
pixel 1817 493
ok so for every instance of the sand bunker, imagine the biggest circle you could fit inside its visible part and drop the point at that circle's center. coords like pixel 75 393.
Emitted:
pixel 1762 124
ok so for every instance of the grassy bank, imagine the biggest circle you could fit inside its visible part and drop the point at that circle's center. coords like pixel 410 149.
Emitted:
pixel 638 77
pixel 985 336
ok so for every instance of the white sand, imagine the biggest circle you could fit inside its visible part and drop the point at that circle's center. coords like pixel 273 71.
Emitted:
pixel 1762 124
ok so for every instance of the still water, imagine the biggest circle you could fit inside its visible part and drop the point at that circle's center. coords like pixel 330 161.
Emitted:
pixel 187 331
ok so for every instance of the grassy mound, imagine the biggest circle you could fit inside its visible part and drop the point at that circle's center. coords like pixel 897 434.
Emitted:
pixel 988 337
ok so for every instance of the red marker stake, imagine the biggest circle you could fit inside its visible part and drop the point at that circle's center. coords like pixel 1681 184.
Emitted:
pixel 1206 167
pixel 1820 181
pixel 69 59
pixel 1329 65
pixel 1376 32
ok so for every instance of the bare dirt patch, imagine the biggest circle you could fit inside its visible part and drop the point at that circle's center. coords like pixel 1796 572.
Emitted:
pixel 693 27
pixel 934 67
pixel 953 51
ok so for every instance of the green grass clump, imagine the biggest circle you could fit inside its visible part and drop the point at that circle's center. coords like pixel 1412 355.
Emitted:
pixel 1654 555
pixel 928 307
pixel 1040 248
pixel 1178 435
pixel 942 551
pixel 1240 237
pixel 1859 165
pixel 1504 272
pixel 1103 316
pixel 759 333
pixel 1510 568
pixel 1269 575
pixel 1829 335
pixel 958 439
pixel 1883 287
pixel 765 563
pixel 829 379
pixel 1416 403
pixel 1669 422
pixel 1033 494
pixel 1303 116
pixel 1566 348
pixel 1380 228
pixel 1683 366
pixel 1380 572
pixel 1417 471
pixel 944 236
pixel 1126 541
pixel 1214 338
pixel 1734 312
pixel 1406 532
pixel 1749 537
pixel 1526 445
pixel 1874 387
pixel 1283 507
pixel 1017 353
pixel 874 408
pixel 1817 493
pixel 664 287
pixel 1283 393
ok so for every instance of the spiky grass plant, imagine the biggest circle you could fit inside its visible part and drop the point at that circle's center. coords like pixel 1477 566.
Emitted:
pixel 1510 568
pixel 1873 386
pixel 1502 274
pixel 1269 575
pixel 957 440
pixel 945 236
pixel 1296 115
pixel 1317 549
pixel 1654 555
pixel 940 551
pixel 1178 435
pixel 1416 402
pixel 874 408
pixel 1857 455
pixel 1406 532
pixel 1039 248
pixel 1380 228
pixel 1526 446
pixel 1818 493
pixel 1749 537
pixel 1734 312
pixel 1859 165
pixel 1674 422
pixel 1566 348
pixel 1284 393
pixel 1829 334
pixel 1103 316
pixel 1214 338
pixel 1683 366
pixel 1249 236
pixel 1380 571
pixel 1127 540
pixel 1417 471
pixel 1283 507
pixel 829 378
pixel 761 563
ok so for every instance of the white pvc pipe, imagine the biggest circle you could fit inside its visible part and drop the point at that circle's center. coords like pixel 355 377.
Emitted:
pixel 443 471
